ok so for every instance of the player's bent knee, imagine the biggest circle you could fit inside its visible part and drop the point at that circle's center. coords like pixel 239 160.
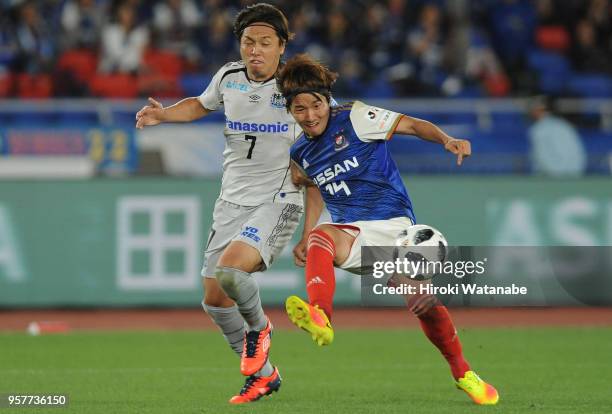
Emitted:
pixel 341 241
pixel 230 279
pixel 241 256
pixel 219 300
pixel 214 295
pixel 325 231
pixel 420 304
pixel 328 229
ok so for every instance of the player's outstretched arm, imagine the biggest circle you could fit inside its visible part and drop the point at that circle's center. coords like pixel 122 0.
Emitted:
pixel 430 132
pixel 313 207
pixel 186 110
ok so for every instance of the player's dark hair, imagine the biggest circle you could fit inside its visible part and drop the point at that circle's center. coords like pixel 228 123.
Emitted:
pixel 263 13
pixel 303 74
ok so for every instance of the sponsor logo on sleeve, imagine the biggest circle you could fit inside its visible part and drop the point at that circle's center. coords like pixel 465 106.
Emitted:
pixel 372 113
pixel 384 120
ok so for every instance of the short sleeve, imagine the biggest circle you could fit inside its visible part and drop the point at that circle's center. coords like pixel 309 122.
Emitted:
pixel 372 123
pixel 293 154
pixel 211 98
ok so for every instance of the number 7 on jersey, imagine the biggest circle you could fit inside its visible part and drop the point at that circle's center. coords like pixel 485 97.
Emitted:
pixel 253 139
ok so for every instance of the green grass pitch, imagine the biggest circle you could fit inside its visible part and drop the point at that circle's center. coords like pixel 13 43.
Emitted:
pixel 560 370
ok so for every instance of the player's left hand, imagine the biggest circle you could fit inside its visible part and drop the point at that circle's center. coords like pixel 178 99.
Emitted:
pixel 299 253
pixel 460 147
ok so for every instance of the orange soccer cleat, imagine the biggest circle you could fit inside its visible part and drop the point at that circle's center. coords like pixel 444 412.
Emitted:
pixel 256 387
pixel 255 350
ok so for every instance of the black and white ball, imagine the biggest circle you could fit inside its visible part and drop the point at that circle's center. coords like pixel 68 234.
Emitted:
pixel 422 243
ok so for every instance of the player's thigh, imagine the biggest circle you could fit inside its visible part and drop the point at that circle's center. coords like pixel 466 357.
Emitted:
pixel 228 219
pixel 240 255
pixel 262 237
pixel 214 295
pixel 370 234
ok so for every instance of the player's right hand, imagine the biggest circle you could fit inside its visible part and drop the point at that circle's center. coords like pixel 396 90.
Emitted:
pixel 150 114
pixel 460 147
pixel 299 253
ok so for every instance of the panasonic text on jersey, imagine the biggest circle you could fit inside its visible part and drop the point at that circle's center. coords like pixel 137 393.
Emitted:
pixel 255 127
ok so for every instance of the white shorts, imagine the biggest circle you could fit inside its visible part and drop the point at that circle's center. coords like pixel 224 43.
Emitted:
pixel 370 233
pixel 267 227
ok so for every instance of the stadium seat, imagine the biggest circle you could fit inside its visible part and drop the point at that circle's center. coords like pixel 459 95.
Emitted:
pixel 553 70
pixel 591 85
pixel 553 38
pixel 5 85
pixel 379 88
pixel 34 86
pixel 166 63
pixel 194 84
pixel 470 91
pixel 497 85
pixel 114 86
pixel 81 63
pixel 159 85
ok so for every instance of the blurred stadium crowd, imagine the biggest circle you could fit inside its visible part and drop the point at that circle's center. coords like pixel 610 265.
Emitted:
pixel 382 49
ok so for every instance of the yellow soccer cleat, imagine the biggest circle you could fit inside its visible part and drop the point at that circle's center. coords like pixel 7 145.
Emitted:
pixel 311 319
pixel 479 391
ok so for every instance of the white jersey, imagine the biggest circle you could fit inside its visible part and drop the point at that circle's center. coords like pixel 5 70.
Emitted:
pixel 259 132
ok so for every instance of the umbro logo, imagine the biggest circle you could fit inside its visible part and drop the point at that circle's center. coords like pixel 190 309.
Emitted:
pixel 266 343
pixel 254 98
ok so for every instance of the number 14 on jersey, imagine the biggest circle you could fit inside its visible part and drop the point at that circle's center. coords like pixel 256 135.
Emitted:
pixel 335 188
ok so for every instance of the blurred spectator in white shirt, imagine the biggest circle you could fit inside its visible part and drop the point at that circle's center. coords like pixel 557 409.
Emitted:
pixel 556 148
pixel 123 43
pixel 174 22
pixel 81 23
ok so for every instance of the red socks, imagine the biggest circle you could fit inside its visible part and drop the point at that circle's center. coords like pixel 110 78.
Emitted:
pixel 321 284
pixel 320 278
pixel 439 328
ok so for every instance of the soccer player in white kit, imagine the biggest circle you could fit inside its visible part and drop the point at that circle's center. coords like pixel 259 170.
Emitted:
pixel 259 207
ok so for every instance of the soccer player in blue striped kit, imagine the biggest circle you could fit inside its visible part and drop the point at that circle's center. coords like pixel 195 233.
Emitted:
pixel 343 152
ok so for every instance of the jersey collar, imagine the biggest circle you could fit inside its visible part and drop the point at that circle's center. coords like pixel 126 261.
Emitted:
pixel 246 74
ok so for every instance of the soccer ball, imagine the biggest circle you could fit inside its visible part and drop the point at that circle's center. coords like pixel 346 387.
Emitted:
pixel 422 243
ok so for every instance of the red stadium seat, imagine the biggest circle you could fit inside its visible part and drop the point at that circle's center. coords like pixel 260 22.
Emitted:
pixel 554 38
pixel 497 85
pixel 114 86
pixel 34 86
pixel 159 85
pixel 166 63
pixel 5 85
pixel 81 63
